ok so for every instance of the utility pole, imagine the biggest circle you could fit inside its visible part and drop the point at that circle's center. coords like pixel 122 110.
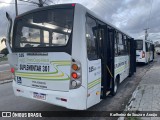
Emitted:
pixel 16 8
pixel 40 3
pixel 146 33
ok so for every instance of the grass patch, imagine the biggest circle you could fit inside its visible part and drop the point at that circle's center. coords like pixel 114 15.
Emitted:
pixel 3 59
pixel 132 118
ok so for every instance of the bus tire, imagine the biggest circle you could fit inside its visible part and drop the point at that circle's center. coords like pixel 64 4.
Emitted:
pixel 130 74
pixel 115 86
pixel 146 63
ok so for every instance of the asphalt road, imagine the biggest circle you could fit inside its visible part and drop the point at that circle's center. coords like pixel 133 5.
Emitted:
pixel 9 102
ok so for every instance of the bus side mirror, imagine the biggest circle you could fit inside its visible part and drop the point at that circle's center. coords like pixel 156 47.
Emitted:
pixel 8 39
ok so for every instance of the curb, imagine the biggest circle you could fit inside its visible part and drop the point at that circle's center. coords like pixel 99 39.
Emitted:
pixel 4 62
pixel 6 81
pixel 128 106
pixel 5 75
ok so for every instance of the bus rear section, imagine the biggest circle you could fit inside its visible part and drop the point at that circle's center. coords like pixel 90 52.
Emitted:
pixel 157 49
pixel 144 51
pixel 69 57
pixel 140 51
pixel 45 68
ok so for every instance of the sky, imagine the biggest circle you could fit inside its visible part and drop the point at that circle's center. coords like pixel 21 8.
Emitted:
pixel 131 16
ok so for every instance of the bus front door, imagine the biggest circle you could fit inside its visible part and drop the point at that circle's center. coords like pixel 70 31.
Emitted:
pixel 106 52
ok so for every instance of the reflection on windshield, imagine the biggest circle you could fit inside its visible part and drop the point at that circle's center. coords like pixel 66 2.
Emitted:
pixel 45 28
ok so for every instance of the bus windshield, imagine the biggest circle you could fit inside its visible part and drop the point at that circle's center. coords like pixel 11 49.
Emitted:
pixel 47 28
pixel 139 45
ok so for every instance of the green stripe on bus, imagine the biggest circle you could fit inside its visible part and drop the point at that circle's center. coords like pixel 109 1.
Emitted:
pixel 120 69
pixel 94 83
pixel 94 80
pixel 90 84
pixel 53 79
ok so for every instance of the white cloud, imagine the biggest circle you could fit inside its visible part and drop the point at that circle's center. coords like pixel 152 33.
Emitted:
pixel 5 4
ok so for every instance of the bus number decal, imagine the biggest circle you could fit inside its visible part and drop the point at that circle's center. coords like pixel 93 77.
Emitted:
pixel 45 68
pixel 92 68
pixel 21 55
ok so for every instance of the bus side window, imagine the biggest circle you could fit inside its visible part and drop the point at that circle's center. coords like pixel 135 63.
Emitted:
pixel 128 46
pixel 115 46
pixel 125 41
pixel 121 49
pixel 152 47
pixel 146 45
pixel 149 47
pixel 91 38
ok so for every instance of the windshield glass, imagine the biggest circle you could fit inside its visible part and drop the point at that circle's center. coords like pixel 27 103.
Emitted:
pixel 139 45
pixel 44 28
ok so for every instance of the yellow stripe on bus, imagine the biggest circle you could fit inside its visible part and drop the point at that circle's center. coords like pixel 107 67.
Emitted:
pixel 93 83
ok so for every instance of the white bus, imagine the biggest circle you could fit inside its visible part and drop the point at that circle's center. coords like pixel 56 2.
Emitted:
pixel 157 49
pixel 144 51
pixel 68 56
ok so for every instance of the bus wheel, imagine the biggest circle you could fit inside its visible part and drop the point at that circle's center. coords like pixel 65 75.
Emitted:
pixel 146 63
pixel 130 74
pixel 115 86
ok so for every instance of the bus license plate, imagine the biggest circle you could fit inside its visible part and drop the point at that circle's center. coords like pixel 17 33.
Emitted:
pixel 39 96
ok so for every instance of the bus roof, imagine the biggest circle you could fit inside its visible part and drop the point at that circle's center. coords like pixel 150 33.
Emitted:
pixel 45 8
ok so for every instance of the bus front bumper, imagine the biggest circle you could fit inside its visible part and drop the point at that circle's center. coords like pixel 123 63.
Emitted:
pixel 72 99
